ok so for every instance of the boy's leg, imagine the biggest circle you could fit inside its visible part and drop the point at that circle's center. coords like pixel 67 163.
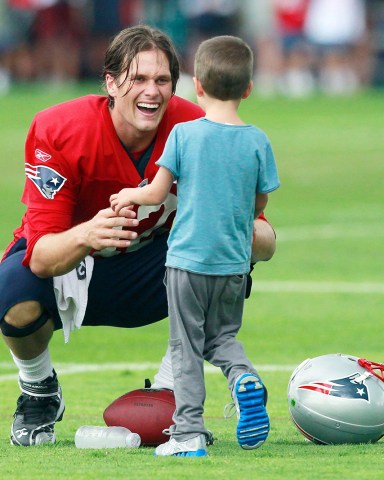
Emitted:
pixel 187 301
pixel 223 350
pixel 224 319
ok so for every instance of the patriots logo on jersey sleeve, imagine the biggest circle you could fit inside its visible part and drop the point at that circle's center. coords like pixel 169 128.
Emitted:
pixel 46 179
pixel 347 387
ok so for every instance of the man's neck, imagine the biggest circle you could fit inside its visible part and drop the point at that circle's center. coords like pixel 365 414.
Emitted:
pixel 134 140
pixel 137 143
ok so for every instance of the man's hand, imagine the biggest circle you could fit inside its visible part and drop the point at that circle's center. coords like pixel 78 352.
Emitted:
pixel 106 229
pixel 58 253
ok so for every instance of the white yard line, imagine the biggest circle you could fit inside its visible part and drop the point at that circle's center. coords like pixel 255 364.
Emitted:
pixel 73 369
pixel 285 286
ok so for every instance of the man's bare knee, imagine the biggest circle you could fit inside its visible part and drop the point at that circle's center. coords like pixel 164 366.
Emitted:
pixel 22 314
pixel 31 336
pixel 27 329
pixel 264 241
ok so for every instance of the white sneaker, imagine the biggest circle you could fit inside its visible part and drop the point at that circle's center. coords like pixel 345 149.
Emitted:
pixel 194 447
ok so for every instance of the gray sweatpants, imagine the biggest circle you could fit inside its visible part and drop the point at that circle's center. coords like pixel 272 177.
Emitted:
pixel 205 313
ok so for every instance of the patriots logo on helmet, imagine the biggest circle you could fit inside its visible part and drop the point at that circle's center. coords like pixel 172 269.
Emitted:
pixel 347 387
pixel 46 179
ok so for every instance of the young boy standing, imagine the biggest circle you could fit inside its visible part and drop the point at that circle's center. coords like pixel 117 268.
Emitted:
pixel 224 171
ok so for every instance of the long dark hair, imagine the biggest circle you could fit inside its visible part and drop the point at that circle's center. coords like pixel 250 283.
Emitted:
pixel 133 40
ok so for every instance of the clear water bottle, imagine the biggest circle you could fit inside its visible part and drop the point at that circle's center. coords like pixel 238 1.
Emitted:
pixel 106 437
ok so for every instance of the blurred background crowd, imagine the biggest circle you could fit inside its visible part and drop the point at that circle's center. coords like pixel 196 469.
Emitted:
pixel 301 46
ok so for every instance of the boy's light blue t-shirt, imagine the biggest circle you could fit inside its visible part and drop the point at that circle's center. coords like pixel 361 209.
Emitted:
pixel 218 169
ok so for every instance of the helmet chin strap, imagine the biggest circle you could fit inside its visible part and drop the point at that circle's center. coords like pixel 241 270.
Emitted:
pixel 374 368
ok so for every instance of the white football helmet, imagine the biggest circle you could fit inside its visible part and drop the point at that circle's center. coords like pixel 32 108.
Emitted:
pixel 338 398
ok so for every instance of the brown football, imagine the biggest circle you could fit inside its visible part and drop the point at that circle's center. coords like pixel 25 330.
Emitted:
pixel 144 411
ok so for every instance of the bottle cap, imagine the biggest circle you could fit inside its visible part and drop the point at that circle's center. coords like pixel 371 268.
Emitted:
pixel 133 440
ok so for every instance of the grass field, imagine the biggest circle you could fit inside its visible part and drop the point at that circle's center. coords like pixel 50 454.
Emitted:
pixel 323 292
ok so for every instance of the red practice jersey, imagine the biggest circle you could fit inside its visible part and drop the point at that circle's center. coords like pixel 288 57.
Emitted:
pixel 74 161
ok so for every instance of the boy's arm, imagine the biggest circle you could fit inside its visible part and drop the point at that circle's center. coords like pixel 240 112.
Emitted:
pixel 260 203
pixel 153 194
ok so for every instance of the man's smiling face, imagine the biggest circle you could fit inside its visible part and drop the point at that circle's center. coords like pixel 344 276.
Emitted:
pixel 141 101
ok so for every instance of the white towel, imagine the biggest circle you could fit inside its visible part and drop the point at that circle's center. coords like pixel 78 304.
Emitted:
pixel 71 292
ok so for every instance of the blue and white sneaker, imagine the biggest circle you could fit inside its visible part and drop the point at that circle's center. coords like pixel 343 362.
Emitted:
pixel 194 447
pixel 249 396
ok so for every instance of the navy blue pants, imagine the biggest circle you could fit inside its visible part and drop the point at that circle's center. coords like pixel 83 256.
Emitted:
pixel 125 290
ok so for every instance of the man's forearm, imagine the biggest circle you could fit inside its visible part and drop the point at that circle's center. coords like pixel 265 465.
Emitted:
pixel 58 253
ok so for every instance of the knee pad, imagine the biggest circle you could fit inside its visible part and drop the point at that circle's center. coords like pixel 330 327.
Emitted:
pixel 11 331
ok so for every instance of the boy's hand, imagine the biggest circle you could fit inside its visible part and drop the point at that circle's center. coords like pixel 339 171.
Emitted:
pixel 120 200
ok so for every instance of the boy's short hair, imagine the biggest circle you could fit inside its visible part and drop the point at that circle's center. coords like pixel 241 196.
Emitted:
pixel 224 66
pixel 132 40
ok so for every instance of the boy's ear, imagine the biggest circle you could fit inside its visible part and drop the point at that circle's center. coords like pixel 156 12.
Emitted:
pixel 248 90
pixel 198 88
